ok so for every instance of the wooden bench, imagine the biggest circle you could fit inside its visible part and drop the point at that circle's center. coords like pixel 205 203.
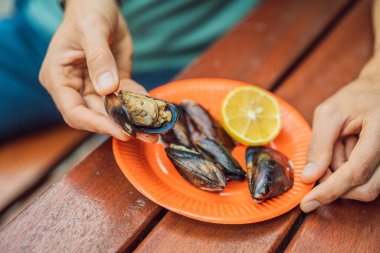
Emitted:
pixel 26 161
pixel 304 51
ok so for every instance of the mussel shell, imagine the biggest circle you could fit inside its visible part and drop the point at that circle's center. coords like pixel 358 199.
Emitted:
pixel 165 127
pixel 119 113
pixel 206 124
pixel 196 169
pixel 180 133
pixel 222 158
pixel 116 109
pixel 269 173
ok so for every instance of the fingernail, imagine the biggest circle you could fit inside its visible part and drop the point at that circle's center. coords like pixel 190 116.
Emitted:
pixel 309 170
pixel 310 206
pixel 105 81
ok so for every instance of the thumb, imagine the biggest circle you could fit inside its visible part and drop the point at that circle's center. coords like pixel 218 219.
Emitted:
pixel 101 63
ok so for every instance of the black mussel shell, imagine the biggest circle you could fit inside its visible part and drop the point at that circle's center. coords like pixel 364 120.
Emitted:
pixel 196 169
pixel 222 157
pixel 180 133
pixel 269 173
pixel 206 124
pixel 165 127
pixel 119 113
pixel 116 109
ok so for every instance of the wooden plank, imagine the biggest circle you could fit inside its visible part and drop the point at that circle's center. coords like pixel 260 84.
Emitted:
pixel 344 226
pixel 270 39
pixel 177 233
pixel 334 63
pixel 174 233
pixel 96 208
pixel 26 160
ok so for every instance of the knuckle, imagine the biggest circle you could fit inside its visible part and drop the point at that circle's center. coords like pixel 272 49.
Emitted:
pixel 366 194
pixel 360 175
pixel 95 55
pixel 324 109
pixel 361 195
pixel 327 197
pixel 80 124
pixel 90 22
pixel 372 195
pixel 41 75
pixel 101 130
pixel 331 196
pixel 69 122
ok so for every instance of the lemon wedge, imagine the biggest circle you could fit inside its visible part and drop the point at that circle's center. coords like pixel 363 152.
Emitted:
pixel 251 116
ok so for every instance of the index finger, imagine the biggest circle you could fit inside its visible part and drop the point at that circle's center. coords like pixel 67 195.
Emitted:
pixel 326 129
pixel 356 171
pixel 76 114
pixel 96 103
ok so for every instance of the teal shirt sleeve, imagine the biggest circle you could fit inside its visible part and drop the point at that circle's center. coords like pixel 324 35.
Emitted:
pixel 166 34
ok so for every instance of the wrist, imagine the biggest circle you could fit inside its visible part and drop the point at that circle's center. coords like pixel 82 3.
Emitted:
pixel 372 68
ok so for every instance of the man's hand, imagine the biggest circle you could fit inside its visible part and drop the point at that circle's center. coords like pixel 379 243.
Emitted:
pixel 90 56
pixel 346 135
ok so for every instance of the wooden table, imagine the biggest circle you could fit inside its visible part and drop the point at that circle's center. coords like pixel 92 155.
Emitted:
pixel 304 51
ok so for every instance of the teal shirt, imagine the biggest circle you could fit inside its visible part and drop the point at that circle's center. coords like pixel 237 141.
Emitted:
pixel 167 34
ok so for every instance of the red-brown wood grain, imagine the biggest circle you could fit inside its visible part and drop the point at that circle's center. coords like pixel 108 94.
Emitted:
pixel 26 160
pixel 344 226
pixel 263 45
pixel 267 236
pixel 336 62
pixel 177 233
pixel 96 209
pixel 93 209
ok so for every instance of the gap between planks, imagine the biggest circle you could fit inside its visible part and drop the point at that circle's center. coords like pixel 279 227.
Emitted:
pixel 324 34
pixel 280 80
pixel 314 44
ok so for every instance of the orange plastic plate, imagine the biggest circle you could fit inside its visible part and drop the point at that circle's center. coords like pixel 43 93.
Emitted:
pixel 150 171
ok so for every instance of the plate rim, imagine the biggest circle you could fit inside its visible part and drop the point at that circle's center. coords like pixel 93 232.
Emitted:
pixel 226 220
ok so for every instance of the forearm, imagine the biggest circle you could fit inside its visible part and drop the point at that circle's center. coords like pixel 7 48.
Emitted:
pixel 376 24
pixel 372 68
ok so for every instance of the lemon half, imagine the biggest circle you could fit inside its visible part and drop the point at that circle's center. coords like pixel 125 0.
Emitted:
pixel 251 116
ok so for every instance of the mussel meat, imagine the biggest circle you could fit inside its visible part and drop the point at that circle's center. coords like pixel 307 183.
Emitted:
pixel 135 112
pixel 222 158
pixel 180 133
pixel 205 124
pixel 269 173
pixel 196 169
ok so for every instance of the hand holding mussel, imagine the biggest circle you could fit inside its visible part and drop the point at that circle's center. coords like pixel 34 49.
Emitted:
pixel 135 112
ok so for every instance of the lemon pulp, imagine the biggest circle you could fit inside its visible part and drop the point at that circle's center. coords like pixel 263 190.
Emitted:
pixel 251 116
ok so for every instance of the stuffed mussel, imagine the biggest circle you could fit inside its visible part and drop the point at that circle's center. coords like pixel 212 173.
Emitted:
pixel 135 112
pixel 269 173
pixel 196 169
